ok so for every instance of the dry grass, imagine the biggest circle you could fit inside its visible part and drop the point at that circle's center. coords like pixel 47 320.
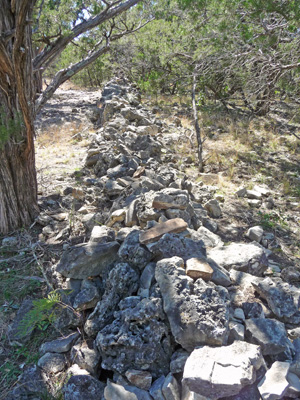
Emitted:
pixel 59 152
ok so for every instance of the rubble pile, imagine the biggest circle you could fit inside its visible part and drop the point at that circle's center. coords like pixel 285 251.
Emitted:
pixel 158 306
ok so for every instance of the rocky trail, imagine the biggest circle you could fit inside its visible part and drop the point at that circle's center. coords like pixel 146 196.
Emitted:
pixel 166 288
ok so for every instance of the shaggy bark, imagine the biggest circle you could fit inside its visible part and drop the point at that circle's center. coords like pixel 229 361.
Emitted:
pixel 18 188
pixel 20 81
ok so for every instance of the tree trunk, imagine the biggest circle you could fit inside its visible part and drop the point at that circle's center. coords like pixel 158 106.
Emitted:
pixel 18 186
pixel 197 127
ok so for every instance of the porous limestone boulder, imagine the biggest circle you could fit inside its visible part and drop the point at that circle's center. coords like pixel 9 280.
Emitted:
pixel 189 304
pixel 133 252
pixel 283 298
pixel 81 387
pixel 138 338
pixel 122 281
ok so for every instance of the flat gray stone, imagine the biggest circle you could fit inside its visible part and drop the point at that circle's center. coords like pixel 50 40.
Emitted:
pixel 156 388
pixel 170 388
pixel 86 260
pixel 119 392
pixel 222 371
pixel 274 384
pixel 60 345
pixel 243 257
pixel 270 334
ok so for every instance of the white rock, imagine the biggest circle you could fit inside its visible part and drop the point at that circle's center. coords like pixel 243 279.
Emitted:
pixel 222 371
pixel 274 384
pixel 263 191
pixel 255 233
pixel 253 194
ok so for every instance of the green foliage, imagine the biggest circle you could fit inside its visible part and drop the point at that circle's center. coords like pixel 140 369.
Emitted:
pixel 42 314
pixel 272 220
pixel 9 127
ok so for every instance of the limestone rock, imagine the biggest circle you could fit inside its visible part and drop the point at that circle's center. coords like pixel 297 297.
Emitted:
pixel 236 331
pixel 283 298
pixel 171 226
pixel 52 362
pixel 88 297
pixel 171 198
pixel 274 384
pixel 290 274
pixel 156 389
pixel 253 194
pixel 222 371
pixel 18 332
pixel 86 260
pixel 293 390
pixel 81 387
pixel 270 334
pixel 209 238
pixel 86 356
pixel 170 388
pixel 137 338
pixel 178 361
pixel 31 384
pixel 187 306
pixel 197 268
pixel 119 392
pixel 60 345
pixel 249 258
pixel 140 379
pixel 102 234
pixel 213 208
pixel 255 233
pixel 122 281
pixel 133 252
pixel 172 244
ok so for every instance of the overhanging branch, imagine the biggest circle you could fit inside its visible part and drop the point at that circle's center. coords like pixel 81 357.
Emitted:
pixel 49 54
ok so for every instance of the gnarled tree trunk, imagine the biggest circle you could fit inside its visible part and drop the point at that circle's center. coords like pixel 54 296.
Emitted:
pixel 18 187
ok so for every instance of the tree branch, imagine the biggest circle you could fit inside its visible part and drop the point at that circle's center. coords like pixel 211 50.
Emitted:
pixel 48 55
pixel 65 74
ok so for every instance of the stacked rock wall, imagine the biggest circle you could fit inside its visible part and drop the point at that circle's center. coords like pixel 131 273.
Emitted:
pixel 164 308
